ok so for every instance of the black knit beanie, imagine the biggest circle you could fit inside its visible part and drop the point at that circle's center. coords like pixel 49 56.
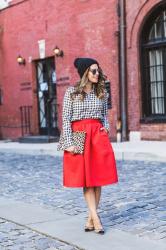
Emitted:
pixel 83 63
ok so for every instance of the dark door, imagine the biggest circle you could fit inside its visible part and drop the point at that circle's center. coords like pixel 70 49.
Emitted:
pixel 47 101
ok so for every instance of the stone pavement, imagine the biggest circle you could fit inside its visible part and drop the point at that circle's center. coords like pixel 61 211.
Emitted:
pixel 33 198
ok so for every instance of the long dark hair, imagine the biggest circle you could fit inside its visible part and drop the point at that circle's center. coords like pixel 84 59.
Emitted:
pixel 99 87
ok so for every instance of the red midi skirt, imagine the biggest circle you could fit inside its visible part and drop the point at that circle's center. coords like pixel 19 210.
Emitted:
pixel 97 165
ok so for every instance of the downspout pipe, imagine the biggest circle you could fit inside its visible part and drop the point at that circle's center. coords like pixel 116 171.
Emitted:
pixel 123 69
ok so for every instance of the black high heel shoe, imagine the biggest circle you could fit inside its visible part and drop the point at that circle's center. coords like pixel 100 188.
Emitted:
pixel 99 230
pixel 89 228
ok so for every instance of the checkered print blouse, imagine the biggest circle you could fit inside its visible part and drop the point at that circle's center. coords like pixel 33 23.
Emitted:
pixel 90 107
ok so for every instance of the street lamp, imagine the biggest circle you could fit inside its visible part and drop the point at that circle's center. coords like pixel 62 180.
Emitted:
pixel 58 52
pixel 21 60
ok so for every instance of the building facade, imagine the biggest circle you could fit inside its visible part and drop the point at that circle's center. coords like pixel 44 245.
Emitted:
pixel 33 78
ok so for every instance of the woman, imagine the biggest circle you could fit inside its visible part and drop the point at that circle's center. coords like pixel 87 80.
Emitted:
pixel 85 109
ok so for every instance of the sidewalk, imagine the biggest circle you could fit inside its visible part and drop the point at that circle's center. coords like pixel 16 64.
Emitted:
pixel 141 150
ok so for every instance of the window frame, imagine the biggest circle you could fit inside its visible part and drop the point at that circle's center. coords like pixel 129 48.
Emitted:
pixel 145 47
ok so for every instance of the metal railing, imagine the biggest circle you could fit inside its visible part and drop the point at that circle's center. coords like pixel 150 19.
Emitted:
pixel 25 114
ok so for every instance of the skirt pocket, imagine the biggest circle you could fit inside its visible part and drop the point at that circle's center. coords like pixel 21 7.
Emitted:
pixel 104 138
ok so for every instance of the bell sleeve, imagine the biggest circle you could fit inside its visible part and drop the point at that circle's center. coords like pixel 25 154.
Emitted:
pixel 66 119
pixel 105 112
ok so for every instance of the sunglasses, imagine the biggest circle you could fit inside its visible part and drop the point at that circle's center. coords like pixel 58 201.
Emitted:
pixel 94 71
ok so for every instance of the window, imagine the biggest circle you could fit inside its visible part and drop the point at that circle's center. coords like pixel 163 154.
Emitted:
pixel 153 58
pixel 4 3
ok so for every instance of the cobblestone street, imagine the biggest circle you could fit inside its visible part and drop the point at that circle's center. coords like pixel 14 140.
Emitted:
pixel 136 204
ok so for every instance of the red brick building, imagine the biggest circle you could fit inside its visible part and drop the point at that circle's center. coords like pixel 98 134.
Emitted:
pixel 131 49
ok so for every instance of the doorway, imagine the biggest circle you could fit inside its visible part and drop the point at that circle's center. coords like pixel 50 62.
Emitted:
pixel 47 97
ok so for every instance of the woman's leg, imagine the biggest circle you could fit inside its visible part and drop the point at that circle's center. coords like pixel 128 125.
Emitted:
pixel 97 191
pixel 92 197
pixel 97 195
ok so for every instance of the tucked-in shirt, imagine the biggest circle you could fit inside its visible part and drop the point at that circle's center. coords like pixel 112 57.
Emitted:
pixel 76 109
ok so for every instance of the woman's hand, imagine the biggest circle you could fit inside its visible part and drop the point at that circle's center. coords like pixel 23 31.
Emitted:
pixel 105 129
pixel 71 149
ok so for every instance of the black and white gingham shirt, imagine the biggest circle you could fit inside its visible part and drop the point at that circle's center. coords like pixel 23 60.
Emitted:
pixel 90 107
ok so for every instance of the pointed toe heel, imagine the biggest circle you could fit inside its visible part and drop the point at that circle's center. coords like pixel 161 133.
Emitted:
pixel 99 231
pixel 89 229
pixel 89 226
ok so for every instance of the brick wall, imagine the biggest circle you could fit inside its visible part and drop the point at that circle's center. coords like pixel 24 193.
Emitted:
pixel 79 28
pixel 83 29
pixel 136 16
pixel 153 132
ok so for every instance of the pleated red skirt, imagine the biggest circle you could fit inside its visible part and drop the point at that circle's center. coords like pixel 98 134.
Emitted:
pixel 97 165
